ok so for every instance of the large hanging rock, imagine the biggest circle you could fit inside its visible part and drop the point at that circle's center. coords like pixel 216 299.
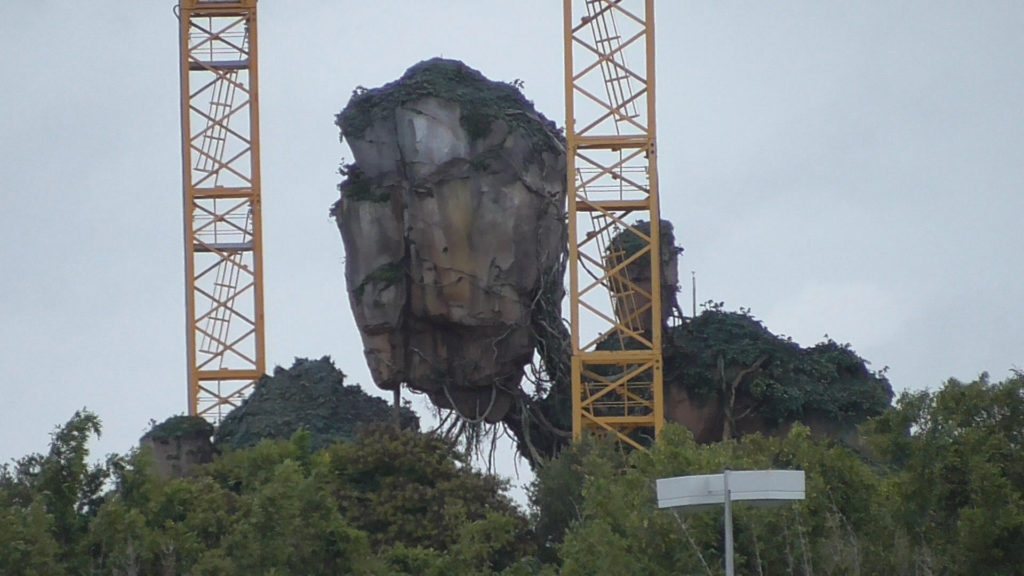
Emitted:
pixel 453 220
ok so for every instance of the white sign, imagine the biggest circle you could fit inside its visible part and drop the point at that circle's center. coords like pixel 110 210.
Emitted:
pixel 759 487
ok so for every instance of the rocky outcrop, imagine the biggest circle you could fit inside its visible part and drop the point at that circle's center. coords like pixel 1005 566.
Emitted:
pixel 311 396
pixel 628 294
pixel 179 445
pixel 453 221
pixel 727 375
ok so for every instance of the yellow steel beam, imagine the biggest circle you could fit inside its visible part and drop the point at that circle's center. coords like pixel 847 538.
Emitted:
pixel 612 181
pixel 221 195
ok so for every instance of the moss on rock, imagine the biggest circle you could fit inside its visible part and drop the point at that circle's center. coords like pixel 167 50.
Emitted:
pixel 482 101
pixel 790 383
pixel 357 186
pixel 311 395
pixel 177 427
pixel 179 445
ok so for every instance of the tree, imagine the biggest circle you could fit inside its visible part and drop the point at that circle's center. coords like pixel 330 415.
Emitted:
pixel 258 511
pixel 731 361
pixel 936 488
pixel 47 502
pixel 958 455
pixel 27 546
pixel 841 528
pixel 416 491
pixel 387 502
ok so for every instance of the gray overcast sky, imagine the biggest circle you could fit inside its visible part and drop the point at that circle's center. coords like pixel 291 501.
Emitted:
pixel 849 168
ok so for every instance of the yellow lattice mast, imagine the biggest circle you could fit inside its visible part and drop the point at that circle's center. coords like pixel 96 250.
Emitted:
pixel 613 186
pixel 221 181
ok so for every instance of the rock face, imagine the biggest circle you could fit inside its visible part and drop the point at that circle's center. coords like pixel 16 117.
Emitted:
pixel 630 304
pixel 179 445
pixel 453 221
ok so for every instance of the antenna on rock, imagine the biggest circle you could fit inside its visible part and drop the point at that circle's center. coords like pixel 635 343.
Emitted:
pixel 693 283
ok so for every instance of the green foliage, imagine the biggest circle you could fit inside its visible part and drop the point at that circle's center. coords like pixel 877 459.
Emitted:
pixel 940 493
pixel 939 489
pixel 557 493
pixel 258 511
pixel 359 187
pixel 391 485
pixel 47 502
pixel 27 545
pixel 310 395
pixel 385 500
pixel 756 381
pixel 302 525
pixel 780 380
pixel 958 456
pixel 180 427
pixel 838 530
pixel 384 276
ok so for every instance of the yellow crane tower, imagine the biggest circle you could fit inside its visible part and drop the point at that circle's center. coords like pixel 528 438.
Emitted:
pixel 616 321
pixel 221 180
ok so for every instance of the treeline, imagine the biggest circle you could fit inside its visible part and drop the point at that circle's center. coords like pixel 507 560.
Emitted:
pixel 934 486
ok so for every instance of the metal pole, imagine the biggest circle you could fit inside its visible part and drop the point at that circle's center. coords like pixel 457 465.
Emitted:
pixel 730 570
pixel 693 283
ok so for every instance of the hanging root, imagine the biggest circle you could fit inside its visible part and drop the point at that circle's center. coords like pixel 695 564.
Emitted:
pixel 539 419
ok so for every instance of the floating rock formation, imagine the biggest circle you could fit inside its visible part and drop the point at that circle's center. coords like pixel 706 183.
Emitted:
pixel 453 220
pixel 454 225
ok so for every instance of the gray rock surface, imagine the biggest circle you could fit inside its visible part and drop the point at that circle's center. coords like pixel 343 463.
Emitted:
pixel 179 445
pixel 627 304
pixel 453 221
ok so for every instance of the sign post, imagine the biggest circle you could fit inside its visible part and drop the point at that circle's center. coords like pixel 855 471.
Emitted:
pixel 759 487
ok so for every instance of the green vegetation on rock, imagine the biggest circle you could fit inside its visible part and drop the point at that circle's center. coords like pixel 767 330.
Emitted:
pixel 357 186
pixel 784 382
pixel 481 101
pixel 384 276
pixel 754 380
pixel 180 427
pixel 311 395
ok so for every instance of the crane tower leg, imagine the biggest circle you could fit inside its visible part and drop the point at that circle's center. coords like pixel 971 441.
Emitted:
pixel 614 219
pixel 222 220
